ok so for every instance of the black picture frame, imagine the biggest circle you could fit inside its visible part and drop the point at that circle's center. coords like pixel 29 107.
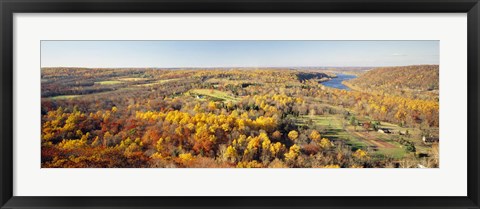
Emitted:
pixel 9 7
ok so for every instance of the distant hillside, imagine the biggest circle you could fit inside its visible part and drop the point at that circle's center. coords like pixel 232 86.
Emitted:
pixel 399 80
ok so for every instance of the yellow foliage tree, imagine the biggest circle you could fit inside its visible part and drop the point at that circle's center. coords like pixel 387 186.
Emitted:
pixel 231 153
pixel 332 166
pixel 360 154
pixel 293 135
pixel 315 136
pixel 293 153
pixel 325 143
pixel 251 164
pixel 212 106
pixel 185 158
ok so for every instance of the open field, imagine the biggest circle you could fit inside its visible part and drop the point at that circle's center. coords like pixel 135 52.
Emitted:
pixel 335 127
pixel 65 97
pixel 130 79
pixel 104 93
pixel 332 128
pixel 158 82
pixel 214 94
pixel 108 82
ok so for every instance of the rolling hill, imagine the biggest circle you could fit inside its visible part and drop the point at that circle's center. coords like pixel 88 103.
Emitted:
pixel 404 80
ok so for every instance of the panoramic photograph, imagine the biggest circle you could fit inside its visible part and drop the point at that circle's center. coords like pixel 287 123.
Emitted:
pixel 240 104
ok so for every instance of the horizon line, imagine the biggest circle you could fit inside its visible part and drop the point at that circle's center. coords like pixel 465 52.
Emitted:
pixel 239 67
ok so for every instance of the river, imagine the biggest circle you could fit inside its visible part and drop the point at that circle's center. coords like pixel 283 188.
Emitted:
pixel 337 82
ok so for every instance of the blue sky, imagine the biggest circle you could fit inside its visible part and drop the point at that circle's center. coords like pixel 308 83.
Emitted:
pixel 101 54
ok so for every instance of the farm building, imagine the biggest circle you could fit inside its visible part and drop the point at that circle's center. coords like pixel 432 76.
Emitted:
pixel 430 139
pixel 384 131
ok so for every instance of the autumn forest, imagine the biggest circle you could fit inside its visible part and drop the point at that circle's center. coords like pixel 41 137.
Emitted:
pixel 267 117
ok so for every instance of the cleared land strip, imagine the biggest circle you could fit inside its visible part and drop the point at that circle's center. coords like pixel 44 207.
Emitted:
pixel 372 139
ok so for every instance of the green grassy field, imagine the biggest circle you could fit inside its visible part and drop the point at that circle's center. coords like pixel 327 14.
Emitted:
pixel 415 135
pixel 93 94
pixel 224 81
pixel 112 82
pixel 214 94
pixel 396 153
pixel 132 79
pixel 157 82
pixel 332 128
pixel 65 97
pixel 336 128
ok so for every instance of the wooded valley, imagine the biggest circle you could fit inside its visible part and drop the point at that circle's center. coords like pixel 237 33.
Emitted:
pixel 387 117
